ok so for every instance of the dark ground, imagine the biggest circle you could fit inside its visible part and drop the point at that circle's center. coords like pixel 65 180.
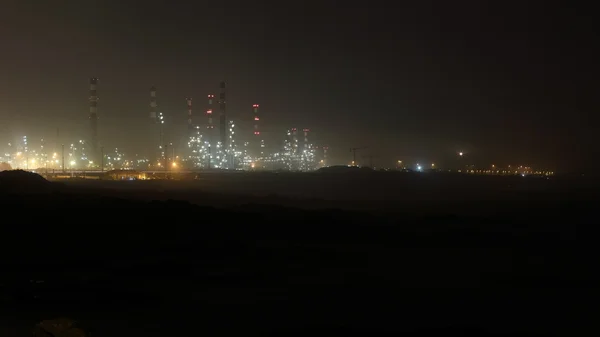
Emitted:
pixel 431 255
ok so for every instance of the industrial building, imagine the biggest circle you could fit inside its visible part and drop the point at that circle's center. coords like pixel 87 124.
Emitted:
pixel 237 143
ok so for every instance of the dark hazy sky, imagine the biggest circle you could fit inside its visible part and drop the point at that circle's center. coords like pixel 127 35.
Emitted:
pixel 414 80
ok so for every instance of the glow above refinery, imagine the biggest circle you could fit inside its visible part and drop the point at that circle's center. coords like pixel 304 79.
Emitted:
pixel 227 147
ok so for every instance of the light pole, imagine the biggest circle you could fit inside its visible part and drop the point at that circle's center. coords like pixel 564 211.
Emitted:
pixel 173 152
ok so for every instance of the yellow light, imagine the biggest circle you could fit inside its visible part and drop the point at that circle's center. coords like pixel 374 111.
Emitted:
pixel 72 162
pixel 174 164
pixel 252 165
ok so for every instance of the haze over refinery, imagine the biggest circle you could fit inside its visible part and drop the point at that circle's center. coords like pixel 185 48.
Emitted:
pixel 407 90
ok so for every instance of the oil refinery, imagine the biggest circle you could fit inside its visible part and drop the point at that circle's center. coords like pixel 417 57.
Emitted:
pixel 236 144
pixel 229 146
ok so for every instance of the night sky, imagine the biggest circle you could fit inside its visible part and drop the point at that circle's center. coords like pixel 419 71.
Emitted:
pixel 412 80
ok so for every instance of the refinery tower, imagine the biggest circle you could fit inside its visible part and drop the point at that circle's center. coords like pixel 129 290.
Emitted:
pixel 93 119
pixel 158 121
pixel 223 115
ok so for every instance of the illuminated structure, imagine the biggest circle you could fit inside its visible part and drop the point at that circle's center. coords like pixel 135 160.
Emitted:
pixel 157 118
pixel 196 147
pixel 294 142
pixel 234 155
pixel 288 150
pixel 239 144
pixel 305 143
pixel 94 118
pixel 307 156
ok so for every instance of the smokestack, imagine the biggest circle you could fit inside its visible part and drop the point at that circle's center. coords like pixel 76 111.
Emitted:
pixel 153 104
pixel 189 106
pixel 209 112
pixel 256 119
pixel 223 115
pixel 209 127
pixel 94 117
pixel 259 142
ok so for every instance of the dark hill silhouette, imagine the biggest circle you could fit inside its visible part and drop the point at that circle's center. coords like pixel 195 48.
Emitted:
pixel 264 270
pixel 23 182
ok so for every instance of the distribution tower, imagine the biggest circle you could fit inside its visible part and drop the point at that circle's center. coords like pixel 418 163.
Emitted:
pixel 93 117
pixel 223 114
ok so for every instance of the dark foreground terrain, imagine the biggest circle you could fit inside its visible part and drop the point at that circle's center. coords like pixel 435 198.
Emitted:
pixel 522 262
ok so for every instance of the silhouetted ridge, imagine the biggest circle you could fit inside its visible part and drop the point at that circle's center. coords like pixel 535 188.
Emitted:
pixel 23 181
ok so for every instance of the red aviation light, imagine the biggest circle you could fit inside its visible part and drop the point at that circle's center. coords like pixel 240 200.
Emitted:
pixel 256 119
pixel 255 106
pixel 306 130
pixel 211 96
pixel 257 132
pixel 209 111
pixel 294 129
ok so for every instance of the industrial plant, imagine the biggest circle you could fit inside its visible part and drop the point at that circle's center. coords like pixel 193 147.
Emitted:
pixel 225 147
pixel 235 144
